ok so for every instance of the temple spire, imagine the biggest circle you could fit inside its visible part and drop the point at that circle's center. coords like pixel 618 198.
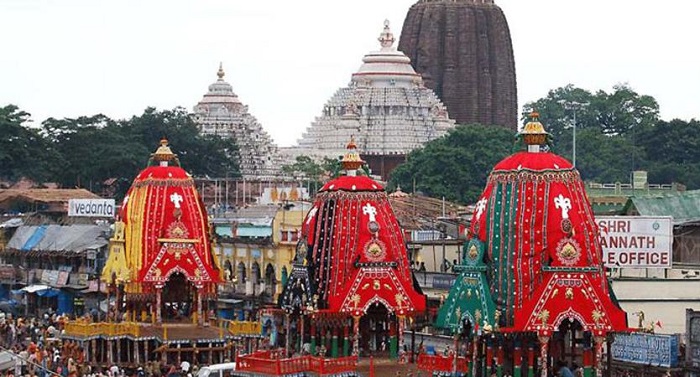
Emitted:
pixel 221 73
pixel 386 38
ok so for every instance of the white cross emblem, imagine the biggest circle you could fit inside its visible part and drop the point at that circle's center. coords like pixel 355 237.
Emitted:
pixel 310 215
pixel 480 207
pixel 564 204
pixel 176 199
pixel 369 210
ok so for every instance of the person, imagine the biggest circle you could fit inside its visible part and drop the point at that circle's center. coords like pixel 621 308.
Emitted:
pixel 563 370
pixel 578 371
pixel 422 267
pixel 173 372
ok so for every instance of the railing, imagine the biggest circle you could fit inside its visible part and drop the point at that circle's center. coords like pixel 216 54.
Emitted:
pixel 272 363
pixel 242 328
pixel 83 328
pixel 437 363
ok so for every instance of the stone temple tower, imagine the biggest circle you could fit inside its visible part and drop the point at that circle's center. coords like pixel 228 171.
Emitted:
pixel 221 112
pixel 464 52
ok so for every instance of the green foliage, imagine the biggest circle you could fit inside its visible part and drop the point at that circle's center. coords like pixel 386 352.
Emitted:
pixel 86 151
pixel 616 133
pixel 455 166
pixel 23 152
pixel 673 150
pixel 608 146
pixel 304 167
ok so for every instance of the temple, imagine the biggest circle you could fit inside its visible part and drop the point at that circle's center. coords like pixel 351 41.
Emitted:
pixel 386 107
pixel 161 274
pixel 221 113
pixel 464 52
pixel 531 271
pixel 351 283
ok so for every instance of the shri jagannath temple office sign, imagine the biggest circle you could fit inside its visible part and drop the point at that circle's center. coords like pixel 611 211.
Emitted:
pixel 636 241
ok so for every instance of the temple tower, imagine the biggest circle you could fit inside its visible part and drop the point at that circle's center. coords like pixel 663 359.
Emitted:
pixel 385 107
pixel 463 50
pixel 221 113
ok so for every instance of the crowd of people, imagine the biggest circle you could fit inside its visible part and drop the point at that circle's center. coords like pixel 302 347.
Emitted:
pixel 38 351
pixel 36 346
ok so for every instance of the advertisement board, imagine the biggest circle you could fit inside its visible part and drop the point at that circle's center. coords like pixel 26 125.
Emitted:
pixel 646 349
pixel 692 341
pixel 91 207
pixel 636 241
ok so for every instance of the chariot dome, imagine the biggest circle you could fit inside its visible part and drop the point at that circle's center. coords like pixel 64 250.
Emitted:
pixel 351 267
pixel 532 263
pixel 163 258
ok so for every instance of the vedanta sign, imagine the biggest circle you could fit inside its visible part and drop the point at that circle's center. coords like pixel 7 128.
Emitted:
pixel 91 207
pixel 636 241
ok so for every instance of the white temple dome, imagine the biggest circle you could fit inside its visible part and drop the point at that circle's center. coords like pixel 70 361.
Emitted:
pixel 385 107
pixel 386 67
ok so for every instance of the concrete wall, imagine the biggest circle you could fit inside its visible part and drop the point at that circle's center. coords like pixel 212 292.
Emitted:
pixel 663 300
pixel 431 254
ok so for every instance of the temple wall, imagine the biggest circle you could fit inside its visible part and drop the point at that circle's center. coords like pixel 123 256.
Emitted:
pixel 663 300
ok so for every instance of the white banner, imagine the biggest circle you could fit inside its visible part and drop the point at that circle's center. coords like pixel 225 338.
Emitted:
pixel 636 241
pixel 91 207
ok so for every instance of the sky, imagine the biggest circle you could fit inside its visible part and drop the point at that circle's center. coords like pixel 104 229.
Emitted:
pixel 285 59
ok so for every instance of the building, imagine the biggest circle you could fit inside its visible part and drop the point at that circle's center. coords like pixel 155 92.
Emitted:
pixel 255 246
pixel 532 276
pixel 610 198
pixel 247 255
pixel 463 50
pixel 656 297
pixel 385 107
pixel 221 113
pixel 50 260
pixel 55 267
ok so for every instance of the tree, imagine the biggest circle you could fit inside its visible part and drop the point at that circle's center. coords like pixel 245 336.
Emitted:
pixel 457 165
pixel 199 154
pixel 305 167
pixel 675 148
pixel 606 129
pixel 94 149
pixel 23 152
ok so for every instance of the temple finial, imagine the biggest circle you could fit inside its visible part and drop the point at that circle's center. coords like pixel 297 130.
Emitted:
pixel 163 154
pixel 534 133
pixel 351 160
pixel 221 71
pixel 386 38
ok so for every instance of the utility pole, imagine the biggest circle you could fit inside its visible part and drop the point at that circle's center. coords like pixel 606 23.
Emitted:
pixel 573 106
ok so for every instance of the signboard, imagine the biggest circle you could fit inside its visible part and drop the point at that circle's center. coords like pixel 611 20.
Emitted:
pixel 636 241
pixel 646 349
pixel 692 331
pixel 62 279
pixel 7 273
pixel 91 207
pixel 443 282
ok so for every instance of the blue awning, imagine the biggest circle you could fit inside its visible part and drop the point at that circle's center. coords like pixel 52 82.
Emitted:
pixel 35 238
pixel 51 292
